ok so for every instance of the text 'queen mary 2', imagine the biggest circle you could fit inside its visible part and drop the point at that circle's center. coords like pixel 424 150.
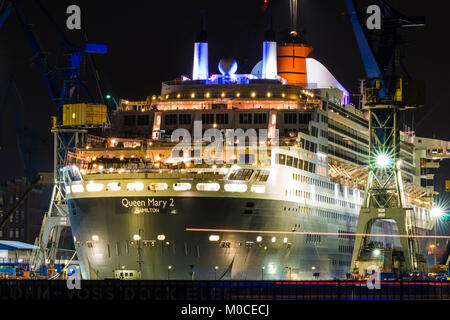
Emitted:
pixel 139 210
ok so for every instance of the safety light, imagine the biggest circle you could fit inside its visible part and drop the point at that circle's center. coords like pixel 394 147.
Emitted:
pixel 383 160
pixel 437 212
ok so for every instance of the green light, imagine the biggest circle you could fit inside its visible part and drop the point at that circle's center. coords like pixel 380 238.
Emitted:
pixel 108 96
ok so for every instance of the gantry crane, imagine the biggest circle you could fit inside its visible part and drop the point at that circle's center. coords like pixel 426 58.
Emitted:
pixel 386 96
pixel 65 86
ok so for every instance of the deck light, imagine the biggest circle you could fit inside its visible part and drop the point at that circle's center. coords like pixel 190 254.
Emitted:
pixel 214 237
pixel 135 186
pixel 161 237
pixel 182 186
pixel 113 186
pixel 94 187
pixel 77 188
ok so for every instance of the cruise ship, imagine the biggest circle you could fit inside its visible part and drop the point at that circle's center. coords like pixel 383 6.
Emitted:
pixel 235 176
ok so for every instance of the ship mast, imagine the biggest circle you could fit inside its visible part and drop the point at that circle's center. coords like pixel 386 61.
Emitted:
pixel 293 17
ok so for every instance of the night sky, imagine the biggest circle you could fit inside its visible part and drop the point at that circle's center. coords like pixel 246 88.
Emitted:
pixel 152 41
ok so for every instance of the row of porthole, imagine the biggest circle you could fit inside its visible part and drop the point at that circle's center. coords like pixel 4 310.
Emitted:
pixel 180 186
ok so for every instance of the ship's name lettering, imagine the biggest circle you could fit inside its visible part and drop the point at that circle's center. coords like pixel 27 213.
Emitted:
pixel 150 202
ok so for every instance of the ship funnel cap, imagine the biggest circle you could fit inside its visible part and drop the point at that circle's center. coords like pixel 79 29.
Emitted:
pixel 201 35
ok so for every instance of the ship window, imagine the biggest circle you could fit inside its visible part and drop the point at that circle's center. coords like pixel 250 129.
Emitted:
pixel 207 118
pixel 300 164
pixel 250 204
pixel 185 119
pixel 304 117
pixel 260 118
pixel 295 163
pixel 280 158
pixel 142 120
pixel 129 120
pixel 73 174
pixel 222 118
pixel 289 161
pixel 170 119
pixel 225 244
pixel 261 175
pixel 245 118
pixel 290 118
pixel 241 174
pixel 305 165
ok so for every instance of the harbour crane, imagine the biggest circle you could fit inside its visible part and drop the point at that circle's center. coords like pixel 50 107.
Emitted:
pixel 387 94
pixel 64 85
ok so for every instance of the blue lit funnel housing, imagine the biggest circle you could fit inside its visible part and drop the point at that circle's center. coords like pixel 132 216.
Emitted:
pixel 200 68
pixel 269 62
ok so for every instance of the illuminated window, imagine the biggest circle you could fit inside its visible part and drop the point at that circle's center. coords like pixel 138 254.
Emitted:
pixel 241 174
pixel 261 175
